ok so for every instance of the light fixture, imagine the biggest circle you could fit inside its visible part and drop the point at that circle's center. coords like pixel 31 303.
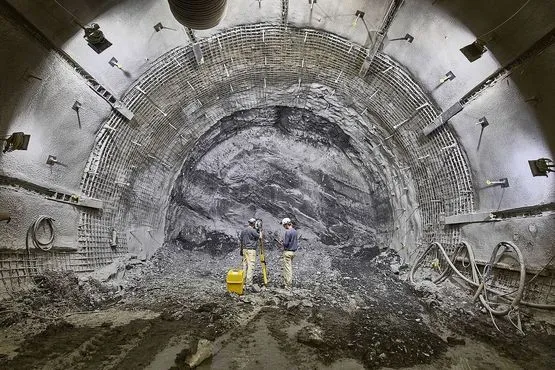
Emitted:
pixel 541 166
pixel 408 37
pixel 16 141
pixel 474 51
pixel 158 27
pixel 114 63
pixel 95 38
pixel 504 182
pixel 52 160
pixel 449 76
pixel 483 122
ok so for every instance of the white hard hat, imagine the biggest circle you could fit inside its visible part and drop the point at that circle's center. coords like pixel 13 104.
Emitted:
pixel 252 220
pixel 286 221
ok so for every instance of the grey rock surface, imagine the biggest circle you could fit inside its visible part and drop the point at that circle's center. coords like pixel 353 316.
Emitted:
pixel 271 163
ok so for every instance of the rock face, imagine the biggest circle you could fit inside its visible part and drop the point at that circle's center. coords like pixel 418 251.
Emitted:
pixel 271 163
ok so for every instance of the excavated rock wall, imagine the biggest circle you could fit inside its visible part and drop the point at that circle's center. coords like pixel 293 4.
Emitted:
pixel 272 163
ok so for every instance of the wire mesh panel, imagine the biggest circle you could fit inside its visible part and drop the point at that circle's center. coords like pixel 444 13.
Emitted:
pixel 133 164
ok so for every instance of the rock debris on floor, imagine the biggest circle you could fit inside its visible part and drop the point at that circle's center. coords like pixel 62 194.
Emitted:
pixel 350 309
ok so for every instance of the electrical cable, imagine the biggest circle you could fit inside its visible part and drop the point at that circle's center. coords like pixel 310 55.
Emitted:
pixel 32 234
pixel 480 280
pixel 75 19
pixel 508 19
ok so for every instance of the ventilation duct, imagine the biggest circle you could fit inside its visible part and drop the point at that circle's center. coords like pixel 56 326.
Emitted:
pixel 198 14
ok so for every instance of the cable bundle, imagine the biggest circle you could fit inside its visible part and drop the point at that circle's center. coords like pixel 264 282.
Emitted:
pixel 481 280
pixel 32 233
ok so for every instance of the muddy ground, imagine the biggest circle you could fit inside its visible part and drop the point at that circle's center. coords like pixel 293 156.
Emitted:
pixel 350 309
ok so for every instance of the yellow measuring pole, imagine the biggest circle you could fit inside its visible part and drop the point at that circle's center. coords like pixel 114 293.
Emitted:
pixel 263 263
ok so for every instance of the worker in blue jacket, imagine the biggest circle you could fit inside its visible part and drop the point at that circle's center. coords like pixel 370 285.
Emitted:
pixel 249 242
pixel 290 245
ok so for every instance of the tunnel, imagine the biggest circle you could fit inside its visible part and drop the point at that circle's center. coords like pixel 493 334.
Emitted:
pixel 409 143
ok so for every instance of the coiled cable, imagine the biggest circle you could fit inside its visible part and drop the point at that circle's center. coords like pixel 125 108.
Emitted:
pixel 480 280
pixel 32 233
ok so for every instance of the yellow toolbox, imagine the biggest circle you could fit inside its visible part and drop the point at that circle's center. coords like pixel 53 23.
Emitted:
pixel 235 281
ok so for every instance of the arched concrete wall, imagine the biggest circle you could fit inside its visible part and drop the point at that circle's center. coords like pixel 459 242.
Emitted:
pixel 42 107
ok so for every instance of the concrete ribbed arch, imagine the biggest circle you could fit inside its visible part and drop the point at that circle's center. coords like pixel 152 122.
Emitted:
pixel 133 164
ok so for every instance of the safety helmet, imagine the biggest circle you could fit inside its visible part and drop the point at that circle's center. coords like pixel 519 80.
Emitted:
pixel 252 220
pixel 286 221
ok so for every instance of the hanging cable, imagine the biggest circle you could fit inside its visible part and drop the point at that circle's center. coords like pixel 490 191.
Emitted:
pixel 75 19
pixel 508 19
pixel 479 280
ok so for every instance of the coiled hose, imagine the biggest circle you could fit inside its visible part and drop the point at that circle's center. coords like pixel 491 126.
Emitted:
pixel 479 280
pixel 32 233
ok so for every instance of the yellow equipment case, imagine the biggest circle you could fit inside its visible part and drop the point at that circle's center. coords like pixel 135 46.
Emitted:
pixel 235 281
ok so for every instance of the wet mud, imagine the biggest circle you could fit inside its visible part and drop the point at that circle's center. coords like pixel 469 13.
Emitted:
pixel 358 314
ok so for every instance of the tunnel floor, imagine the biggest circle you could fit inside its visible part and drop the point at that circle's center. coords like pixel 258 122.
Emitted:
pixel 166 313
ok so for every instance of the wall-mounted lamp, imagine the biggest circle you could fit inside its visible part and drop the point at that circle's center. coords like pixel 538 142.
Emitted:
pixel 159 27
pixel 16 141
pixel 52 160
pixel 541 166
pixel 474 51
pixel 76 106
pixel 95 38
pixel 114 63
pixel 483 122
pixel 409 38
pixel 359 15
pixel 449 76
pixel 504 182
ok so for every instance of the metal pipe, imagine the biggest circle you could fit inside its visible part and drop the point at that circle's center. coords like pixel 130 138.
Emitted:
pixel 198 14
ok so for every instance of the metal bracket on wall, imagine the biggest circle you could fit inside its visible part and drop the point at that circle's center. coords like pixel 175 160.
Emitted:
pixel 12 13
pixel 408 37
pixel 470 218
pixel 76 200
pixel 380 35
pixel 498 215
pixel 537 48
pixel 443 118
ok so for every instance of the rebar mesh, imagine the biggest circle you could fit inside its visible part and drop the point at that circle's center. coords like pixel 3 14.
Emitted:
pixel 133 164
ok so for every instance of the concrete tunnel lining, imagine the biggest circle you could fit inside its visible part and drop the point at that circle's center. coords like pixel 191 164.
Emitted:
pixel 367 189
pixel 391 131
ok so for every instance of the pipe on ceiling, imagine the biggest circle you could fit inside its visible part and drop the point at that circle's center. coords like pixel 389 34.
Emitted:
pixel 198 14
